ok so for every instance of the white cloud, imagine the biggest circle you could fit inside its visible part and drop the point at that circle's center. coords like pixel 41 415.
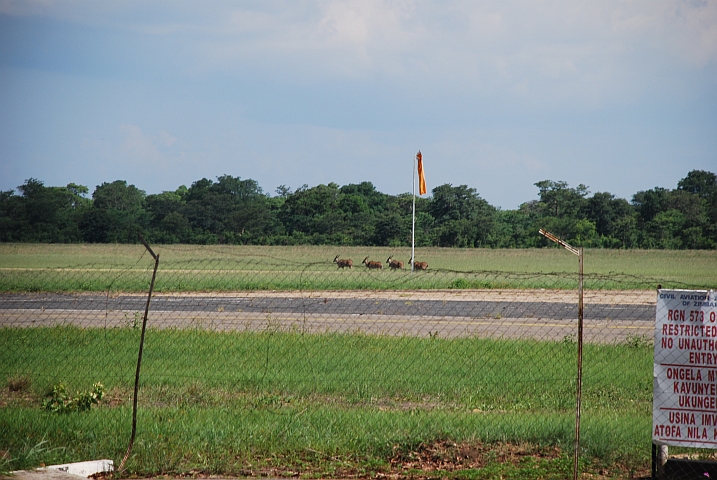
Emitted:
pixel 574 53
pixel 166 139
pixel 685 29
pixel 138 147
pixel 545 52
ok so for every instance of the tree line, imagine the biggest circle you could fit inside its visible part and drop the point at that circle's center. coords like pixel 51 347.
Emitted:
pixel 232 210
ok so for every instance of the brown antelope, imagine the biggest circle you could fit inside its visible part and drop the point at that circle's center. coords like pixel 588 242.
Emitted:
pixel 418 265
pixel 394 264
pixel 372 264
pixel 344 262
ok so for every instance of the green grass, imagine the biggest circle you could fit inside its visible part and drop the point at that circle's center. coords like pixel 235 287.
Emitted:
pixel 468 372
pixel 225 268
pixel 689 266
pixel 217 402
pixel 331 405
pixel 234 440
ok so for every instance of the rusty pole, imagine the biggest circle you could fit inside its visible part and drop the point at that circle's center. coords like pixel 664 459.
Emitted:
pixel 579 392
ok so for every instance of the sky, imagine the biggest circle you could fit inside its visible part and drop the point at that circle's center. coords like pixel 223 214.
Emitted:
pixel 618 95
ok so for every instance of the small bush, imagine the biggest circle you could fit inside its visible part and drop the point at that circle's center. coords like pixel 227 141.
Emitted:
pixel 59 401
pixel 638 341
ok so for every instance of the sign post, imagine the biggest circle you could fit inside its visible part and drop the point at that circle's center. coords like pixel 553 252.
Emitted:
pixel 684 405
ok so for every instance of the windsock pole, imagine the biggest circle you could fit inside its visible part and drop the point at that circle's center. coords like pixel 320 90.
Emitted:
pixel 413 223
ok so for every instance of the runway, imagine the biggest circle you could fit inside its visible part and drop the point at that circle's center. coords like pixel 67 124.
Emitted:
pixel 536 315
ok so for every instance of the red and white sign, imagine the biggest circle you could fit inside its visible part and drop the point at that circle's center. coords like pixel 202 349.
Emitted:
pixel 684 404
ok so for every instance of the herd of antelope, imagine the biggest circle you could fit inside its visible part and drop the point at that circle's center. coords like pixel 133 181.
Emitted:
pixel 370 264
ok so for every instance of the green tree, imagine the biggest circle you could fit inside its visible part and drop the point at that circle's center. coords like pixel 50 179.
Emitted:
pixel 9 205
pixel 704 185
pixel 374 200
pixel 174 228
pixel 680 218
pixel 305 210
pixel 392 229
pixel 585 233
pixel 462 217
pixel 699 182
pixel 649 203
pixel 665 229
pixel 236 210
pixel 610 215
pixel 230 210
pixel 515 228
pixel 167 222
pixel 626 232
pixel 117 215
pixel 558 200
pixel 559 209
pixel 162 204
pixel 44 214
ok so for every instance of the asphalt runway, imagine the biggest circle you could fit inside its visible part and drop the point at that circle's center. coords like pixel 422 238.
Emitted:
pixel 513 317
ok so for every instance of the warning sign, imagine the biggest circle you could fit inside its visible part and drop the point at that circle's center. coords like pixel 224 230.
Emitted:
pixel 684 405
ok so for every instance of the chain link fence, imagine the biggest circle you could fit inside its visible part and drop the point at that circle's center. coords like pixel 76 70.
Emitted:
pixel 256 364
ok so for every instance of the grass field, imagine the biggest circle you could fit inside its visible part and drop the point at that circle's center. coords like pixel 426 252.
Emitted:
pixel 200 268
pixel 222 403
pixel 329 405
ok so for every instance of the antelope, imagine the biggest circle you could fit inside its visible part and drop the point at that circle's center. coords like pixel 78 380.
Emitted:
pixel 372 264
pixel 394 264
pixel 343 262
pixel 418 265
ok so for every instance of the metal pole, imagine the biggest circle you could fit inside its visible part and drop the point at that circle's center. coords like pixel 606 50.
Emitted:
pixel 413 228
pixel 662 455
pixel 139 356
pixel 579 393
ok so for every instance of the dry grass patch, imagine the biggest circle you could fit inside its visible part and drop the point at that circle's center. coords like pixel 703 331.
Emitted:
pixel 449 456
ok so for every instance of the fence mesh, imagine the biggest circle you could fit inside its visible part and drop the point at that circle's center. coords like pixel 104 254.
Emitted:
pixel 254 363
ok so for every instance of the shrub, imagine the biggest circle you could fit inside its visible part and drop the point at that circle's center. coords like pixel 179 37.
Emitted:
pixel 60 401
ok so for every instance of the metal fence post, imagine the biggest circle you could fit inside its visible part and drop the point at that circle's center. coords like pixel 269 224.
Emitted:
pixel 579 392
pixel 579 387
pixel 139 355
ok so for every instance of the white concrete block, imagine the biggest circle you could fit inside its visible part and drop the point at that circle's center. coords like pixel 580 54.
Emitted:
pixel 84 469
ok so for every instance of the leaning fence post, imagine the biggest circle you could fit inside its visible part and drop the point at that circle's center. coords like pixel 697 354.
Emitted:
pixel 139 355
pixel 579 394
pixel 579 391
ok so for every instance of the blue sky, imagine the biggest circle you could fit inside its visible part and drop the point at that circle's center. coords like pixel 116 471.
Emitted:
pixel 618 95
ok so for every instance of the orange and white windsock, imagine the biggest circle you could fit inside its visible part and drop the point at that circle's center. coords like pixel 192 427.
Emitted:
pixel 421 178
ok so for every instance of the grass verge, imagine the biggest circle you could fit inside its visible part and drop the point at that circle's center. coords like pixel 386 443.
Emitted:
pixel 324 405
